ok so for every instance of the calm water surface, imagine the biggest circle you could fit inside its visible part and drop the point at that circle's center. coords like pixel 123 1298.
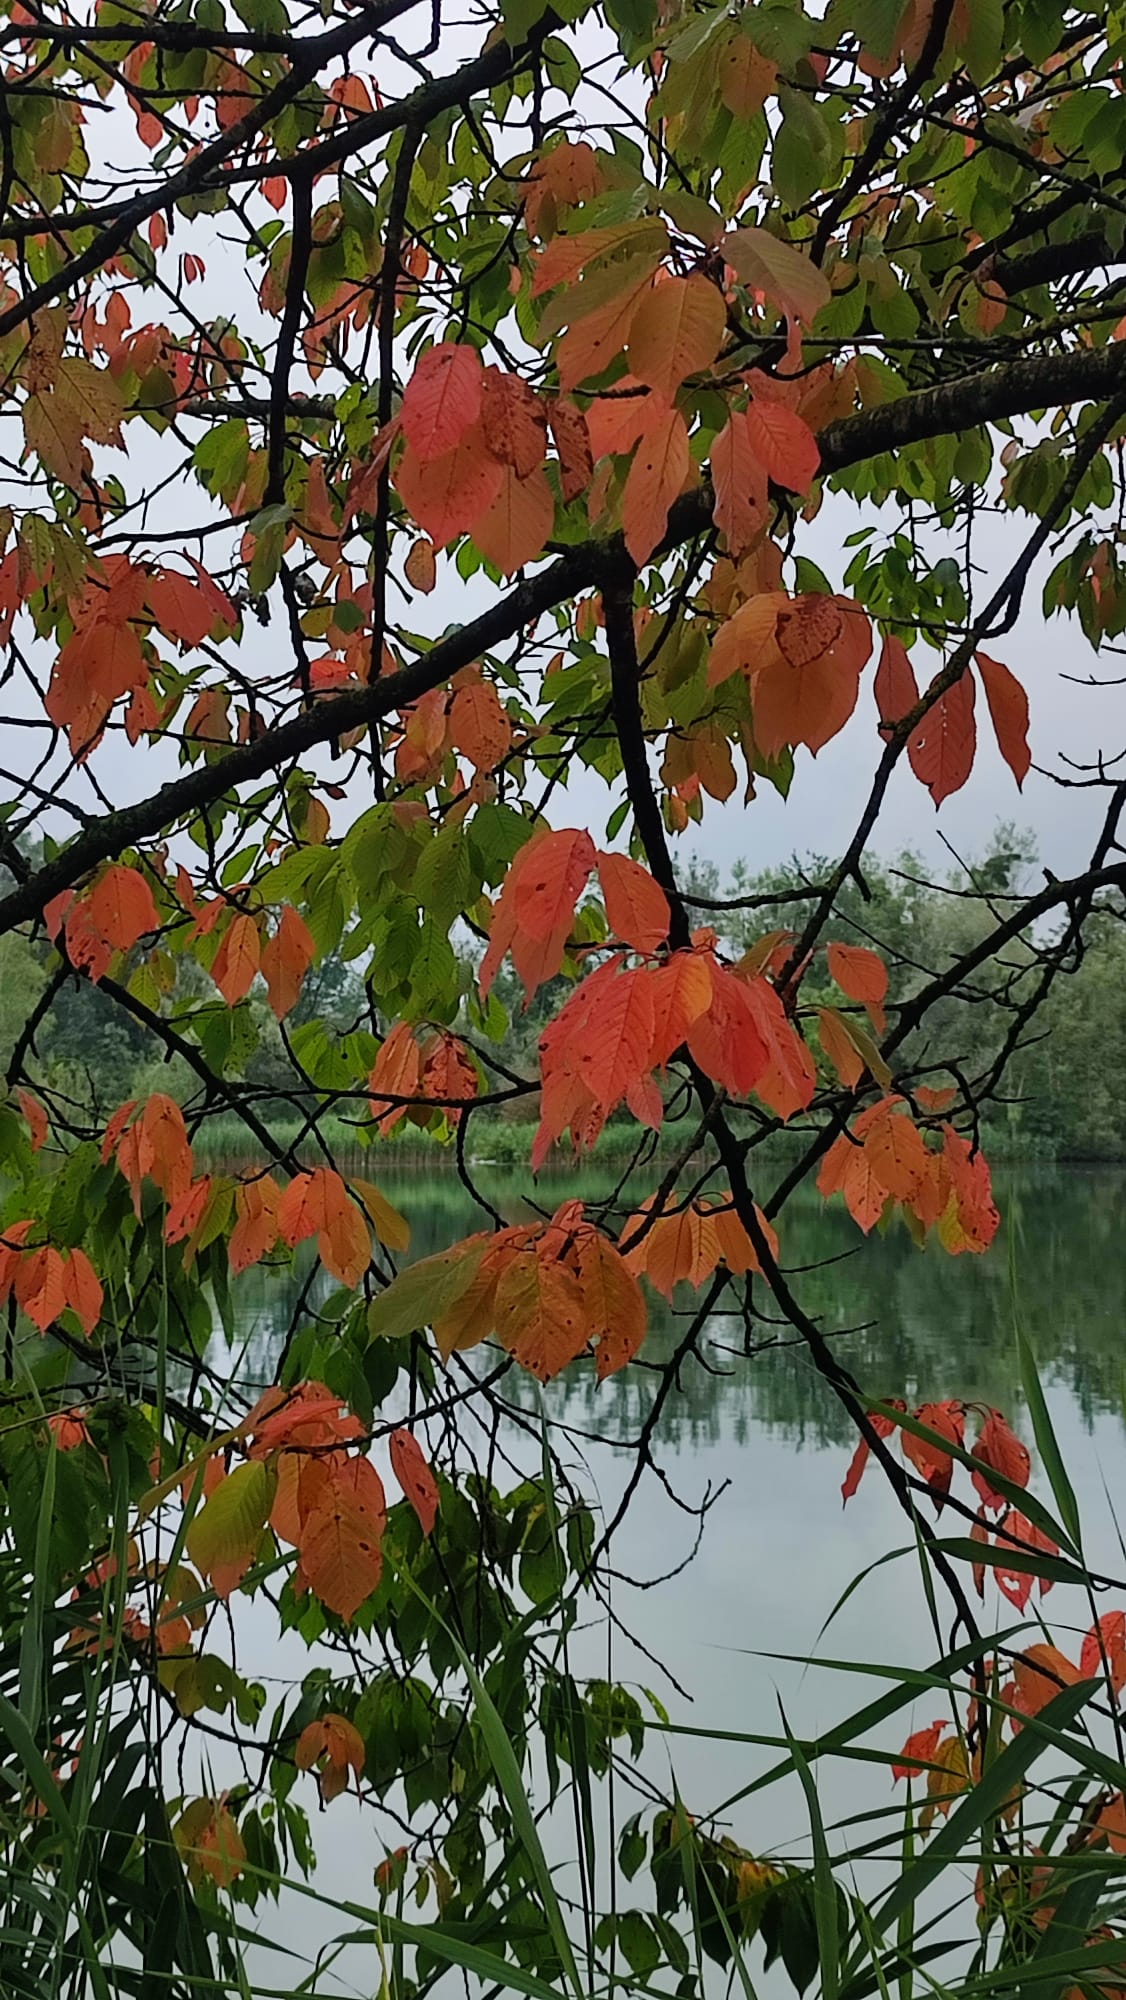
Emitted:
pixel 763 1439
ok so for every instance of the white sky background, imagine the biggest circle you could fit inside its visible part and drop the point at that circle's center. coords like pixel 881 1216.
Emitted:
pixel 827 794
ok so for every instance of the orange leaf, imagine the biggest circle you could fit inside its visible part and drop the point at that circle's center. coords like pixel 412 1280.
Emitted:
pixel 637 908
pixel 682 993
pixel 536 905
pixel 783 444
pixel 736 1245
pixel 597 338
pixel 286 959
pixel 415 1477
pixel 613 1303
pixel 808 690
pixel 442 400
pixel 421 568
pixel 1040 1672
pixel 163 1150
pixel 186 1212
pixel 839 1048
pixel 746 78
pixel 256 1228
pixel 121 907
pixel 343 1515
pixel 739 479
pixel 513 529
pixel 676 331
pixel 978 1218
pixel 684 1245
pixel 479 724
pixel 83 1289
pixel 397 1074
pixel 656 475
pixel 35 1118
pixel 863 975
pixel 1008 712
pixel 1104 1650
pixel 540 1314
pixel 941 749
pixel 40 1285
pixel 897 1155
pixel 896 688
pixel 237 960
pixel 619 1047
pixel 319 1203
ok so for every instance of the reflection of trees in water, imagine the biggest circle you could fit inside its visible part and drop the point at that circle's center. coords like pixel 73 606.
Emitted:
pixel 924 1324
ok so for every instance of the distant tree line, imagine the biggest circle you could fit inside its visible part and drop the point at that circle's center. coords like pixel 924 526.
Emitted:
pixel 1063 1092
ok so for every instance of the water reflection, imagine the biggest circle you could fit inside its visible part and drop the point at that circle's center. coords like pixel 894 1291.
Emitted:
pixel 917 1323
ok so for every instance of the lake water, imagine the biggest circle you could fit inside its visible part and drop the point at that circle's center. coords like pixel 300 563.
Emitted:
pixel 766 1441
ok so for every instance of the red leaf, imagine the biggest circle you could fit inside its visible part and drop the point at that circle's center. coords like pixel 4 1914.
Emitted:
pixel 533 914
pixel 997 1447
pixel 442 400
pixel 921 1746
pixel 1016 1584
pixel 514 422
pixel 121 907
pixel 896 688
pixel 941 749
pixel 1104 1650
pixel 40 1285
pixel 883 1427
pixel 1008 712
pixel 572 442
pixel 447 496
pixel 863 975
pixel 935 1465
pixel 682 993
pixel 415 1477
pixel 237 960
pixel 637 908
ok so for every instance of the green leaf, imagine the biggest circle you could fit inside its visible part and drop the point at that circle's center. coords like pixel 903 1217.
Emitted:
pixel 228 1526
pixel 422 1293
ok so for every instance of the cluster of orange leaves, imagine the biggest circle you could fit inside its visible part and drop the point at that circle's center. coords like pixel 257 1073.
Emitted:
pixel 46 1282
pixel 307 1478
pixel 409 1075
pixel 883 1159
pixel 1039 1673
pixel 545 1290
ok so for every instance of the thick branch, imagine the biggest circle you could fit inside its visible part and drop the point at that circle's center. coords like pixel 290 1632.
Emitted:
pixel 1020 386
